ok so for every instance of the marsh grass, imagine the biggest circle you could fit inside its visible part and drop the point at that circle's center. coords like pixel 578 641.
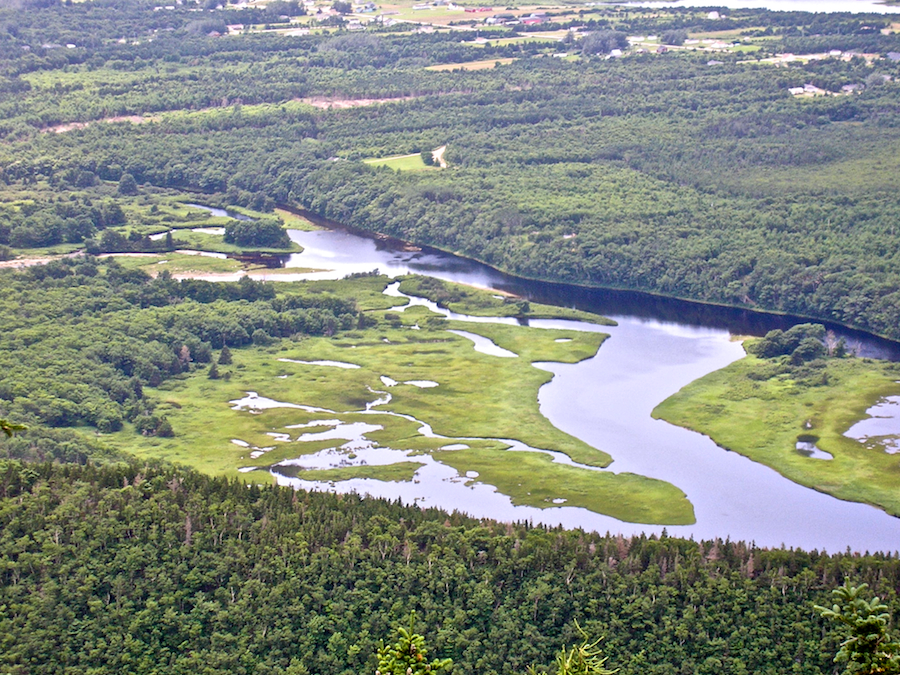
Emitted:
pixel 752 408
pixel 479 302
pixel 179 263
pixel 399 472
pixel 533 479
pixel 479 401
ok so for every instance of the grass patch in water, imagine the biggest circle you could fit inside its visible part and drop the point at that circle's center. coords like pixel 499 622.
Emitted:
pixel 399 472
pixel 479 400
pixel 294 222
pixel 533 479
pixel 479 302
pixel 538 344
pixel 753 409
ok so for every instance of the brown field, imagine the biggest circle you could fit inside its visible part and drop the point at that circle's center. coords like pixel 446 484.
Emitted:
pixel 471 65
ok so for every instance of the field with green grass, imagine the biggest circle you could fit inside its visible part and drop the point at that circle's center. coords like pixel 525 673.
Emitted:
pixel 755 408
pixel 476 400
pixel 294 222
pixel 179 263
pixel 412 162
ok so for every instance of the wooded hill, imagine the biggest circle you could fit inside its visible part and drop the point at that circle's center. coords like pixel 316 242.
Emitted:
pixel 653 172
pixel 147 569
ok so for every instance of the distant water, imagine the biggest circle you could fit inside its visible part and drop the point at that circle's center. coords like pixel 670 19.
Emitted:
pixel 825 6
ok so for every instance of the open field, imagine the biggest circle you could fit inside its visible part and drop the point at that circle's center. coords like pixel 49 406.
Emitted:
pixel 748 408
pixel 472 65
pixel 411 162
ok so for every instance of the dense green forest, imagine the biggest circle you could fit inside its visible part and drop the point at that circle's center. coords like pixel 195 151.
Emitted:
pixel 657 172
pixel 81 337
pixel 689 173
pixel 147 569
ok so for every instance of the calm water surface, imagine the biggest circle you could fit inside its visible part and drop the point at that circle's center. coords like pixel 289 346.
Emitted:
pixel 827 6
pixel 607 400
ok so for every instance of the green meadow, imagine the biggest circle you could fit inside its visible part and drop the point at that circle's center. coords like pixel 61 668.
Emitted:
pixel 477 401
pixel 751 408
pixel 401 163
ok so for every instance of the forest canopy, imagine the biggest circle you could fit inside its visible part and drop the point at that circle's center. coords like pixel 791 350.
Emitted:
pixel 672 173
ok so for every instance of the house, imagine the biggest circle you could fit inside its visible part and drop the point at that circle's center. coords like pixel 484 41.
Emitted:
pixel 662 49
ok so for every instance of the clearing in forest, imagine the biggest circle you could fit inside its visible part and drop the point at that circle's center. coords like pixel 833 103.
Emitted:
pixel 486 64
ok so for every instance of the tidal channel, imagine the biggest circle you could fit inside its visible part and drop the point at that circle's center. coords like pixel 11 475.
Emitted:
pixel 658 346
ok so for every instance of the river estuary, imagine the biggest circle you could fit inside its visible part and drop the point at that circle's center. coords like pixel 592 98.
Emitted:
pixel 658 347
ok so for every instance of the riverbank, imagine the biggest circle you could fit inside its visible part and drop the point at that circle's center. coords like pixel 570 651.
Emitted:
pixel 798 426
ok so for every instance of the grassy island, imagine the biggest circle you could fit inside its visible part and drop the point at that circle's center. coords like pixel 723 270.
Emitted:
pixel 776 411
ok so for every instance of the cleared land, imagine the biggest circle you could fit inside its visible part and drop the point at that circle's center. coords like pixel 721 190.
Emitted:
pixel 486 64
pixel 413 162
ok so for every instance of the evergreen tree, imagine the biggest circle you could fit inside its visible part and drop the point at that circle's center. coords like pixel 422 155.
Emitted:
pixel 225 356
pixel 127 185
pixel 164 430
pixel 869 649
pixel 408 655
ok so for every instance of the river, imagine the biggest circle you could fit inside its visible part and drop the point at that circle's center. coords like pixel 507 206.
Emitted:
pixel 606 401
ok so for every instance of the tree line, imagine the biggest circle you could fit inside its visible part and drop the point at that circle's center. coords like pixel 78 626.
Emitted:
pixel 147 568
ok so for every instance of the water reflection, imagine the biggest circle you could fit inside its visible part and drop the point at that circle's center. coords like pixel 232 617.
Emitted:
pixel 341 252
pixel 659 346
pixel 882 428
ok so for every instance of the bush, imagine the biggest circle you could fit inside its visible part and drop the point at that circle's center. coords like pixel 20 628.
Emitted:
pixel 261 338
pixel 127 185
pixel 266 233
